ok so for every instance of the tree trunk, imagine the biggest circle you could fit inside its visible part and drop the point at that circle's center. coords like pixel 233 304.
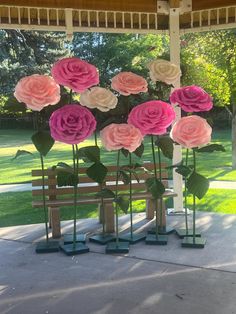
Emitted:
pixel 234 136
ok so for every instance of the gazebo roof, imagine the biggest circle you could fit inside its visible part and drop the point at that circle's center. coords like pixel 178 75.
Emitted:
pixel 121 5
pixel 139 16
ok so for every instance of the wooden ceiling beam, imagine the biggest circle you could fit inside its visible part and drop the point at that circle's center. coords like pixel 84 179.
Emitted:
pixel 118 5
pixel 209 4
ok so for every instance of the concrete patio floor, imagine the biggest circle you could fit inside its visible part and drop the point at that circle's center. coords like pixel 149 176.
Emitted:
pixel 150 279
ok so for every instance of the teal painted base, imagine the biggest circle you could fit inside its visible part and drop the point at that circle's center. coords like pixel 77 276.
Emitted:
pixel 152 239
pixel 102 239
pixel 190 242
pixel 69 238
pixel 162 230
pixel 47 247
pixel 121 247
pixel 137 237
pixel 70 249
pixel 181 233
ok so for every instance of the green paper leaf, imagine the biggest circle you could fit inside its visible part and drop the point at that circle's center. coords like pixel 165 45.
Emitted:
pixel 43 142
pixel 65 178
pixel 198 185
pixel 123 203
pixel 183 170
pixel 124 176
pixel 97 172
pixel 65 166
pixel 106 193
pixel 139 151
pixel 89 154
pixel 125 152
pixel 166 145
pixel 21 152
pixel 211 148
pixel 155 187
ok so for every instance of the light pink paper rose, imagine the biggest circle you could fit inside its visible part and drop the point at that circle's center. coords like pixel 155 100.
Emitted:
pixel 164 71
pixel 100 98
pixel 72 124
pixel 37 91
pixel 117 136
pixel 76 74
pixel 128 83
pixel 191 99
pixel 152 117
pixel 191 131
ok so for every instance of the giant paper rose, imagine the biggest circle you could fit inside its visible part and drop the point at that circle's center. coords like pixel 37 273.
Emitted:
pixel 76 74
pixel 191 99
pixel 100 98
pixel 37 91
pixel 127 83
pixel 164 71
pixel 152 117
pixel 117 136
pixel 191 131
pixel 72 124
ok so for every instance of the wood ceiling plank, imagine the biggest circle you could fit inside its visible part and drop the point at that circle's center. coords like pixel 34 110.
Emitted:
pixel 121 5
pixel 203 4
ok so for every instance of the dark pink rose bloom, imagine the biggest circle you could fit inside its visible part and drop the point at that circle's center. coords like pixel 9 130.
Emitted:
pixel 191 99
pixel 152 117
pixel 76 74
pixel 191 131
pixel 72 124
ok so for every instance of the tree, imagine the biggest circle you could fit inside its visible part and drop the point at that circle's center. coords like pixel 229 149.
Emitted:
pixel 210 61
pixel 27 52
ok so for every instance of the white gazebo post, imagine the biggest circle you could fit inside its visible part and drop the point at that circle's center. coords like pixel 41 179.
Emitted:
pixel 174 27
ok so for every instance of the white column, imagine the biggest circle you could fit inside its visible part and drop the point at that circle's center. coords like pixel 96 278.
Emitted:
pixel 175 58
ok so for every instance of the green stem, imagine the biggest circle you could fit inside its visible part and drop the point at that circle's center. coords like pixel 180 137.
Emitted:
pixel 70 96
pixel 44 198
pixel 194 200
pixel 95 138
pixel 102 199
pixel 155 171
pixel 76 167
pixel 130 197
pixel 160 178
pixel 116 205
pixel 185 195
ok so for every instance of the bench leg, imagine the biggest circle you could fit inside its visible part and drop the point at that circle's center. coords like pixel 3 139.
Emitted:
pixel 150 211
pixel 55 222
pixel 49 218
pixel 100 214
pixel 109 217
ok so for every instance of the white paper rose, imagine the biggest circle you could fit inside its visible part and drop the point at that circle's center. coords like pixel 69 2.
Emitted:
pixel 164 71
pixel 100 98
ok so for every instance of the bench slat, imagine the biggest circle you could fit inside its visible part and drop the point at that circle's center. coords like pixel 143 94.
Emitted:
pixel 86 200
pixel 82 170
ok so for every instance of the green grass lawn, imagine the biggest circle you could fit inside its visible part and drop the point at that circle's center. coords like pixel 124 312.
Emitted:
pixel 16 207
pixel 217 166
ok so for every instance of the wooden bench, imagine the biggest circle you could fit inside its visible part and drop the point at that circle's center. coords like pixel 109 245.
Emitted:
pixel 63 196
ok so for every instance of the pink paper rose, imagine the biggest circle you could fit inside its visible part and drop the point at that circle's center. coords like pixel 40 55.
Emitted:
pixel 117 136
pixel 152 117
pixel 76 74
pixel 191 131
pixel 127 83
pixel 191 99
pixel 72 124
pixel 37 91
